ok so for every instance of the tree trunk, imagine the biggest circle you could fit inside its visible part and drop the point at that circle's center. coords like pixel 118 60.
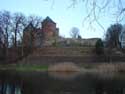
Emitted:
pixel 15 42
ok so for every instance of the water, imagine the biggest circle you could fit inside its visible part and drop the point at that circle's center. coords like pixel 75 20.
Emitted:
pixel 12 82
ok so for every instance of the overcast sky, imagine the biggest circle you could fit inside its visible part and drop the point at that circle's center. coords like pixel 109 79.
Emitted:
pixel 59 11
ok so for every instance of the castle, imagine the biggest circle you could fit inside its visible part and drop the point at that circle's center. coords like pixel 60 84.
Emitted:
pixel 38 37
pixel 48 35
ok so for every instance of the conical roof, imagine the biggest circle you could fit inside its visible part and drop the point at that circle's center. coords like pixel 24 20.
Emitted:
pixel 29 26
pixel 48 19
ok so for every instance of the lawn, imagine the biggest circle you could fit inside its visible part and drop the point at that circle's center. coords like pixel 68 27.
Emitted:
pixel 24 67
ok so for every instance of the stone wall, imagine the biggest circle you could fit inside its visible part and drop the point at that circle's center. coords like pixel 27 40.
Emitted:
pixel 77 42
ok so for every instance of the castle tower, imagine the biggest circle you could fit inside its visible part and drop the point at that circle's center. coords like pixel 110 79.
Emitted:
pixel 28 36
pixel 49 28
pixel 50 32
pixel 38 37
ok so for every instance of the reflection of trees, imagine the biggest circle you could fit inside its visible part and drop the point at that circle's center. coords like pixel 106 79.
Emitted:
pixel 42 83
pixel 100 88
pixel 6 88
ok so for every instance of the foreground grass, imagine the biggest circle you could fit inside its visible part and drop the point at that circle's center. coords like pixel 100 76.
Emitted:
pixel 24 67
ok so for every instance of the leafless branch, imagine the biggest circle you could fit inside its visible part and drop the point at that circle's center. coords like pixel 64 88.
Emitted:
pixel 97 8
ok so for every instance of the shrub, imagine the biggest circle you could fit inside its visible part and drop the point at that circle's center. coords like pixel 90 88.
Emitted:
pixel 99 47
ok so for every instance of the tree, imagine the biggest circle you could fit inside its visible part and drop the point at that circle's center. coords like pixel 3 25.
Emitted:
pixel 5 25
pixel 12 27
pixel 18 24
pixel 96 9
pixel 1 38
pixel 99 47
pixel 5 35
pixel 74 33
pixel 2 46
pixel 79 37
pixel 112 36
pixel 35 21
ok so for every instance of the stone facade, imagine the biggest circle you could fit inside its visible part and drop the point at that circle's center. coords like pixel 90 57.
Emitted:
pixel 91 42
pixel 38 37
pixel 49 28
pixel 28 36
pixel 50 32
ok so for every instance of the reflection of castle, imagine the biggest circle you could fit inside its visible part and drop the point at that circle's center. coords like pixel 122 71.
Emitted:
pixel 48 35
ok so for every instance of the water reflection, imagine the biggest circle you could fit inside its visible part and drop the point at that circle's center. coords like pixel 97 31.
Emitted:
pixel 43 83
pixel 64 75
pixel 9 89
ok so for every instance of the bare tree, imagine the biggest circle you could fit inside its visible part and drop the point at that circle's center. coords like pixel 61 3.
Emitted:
pixel 1 38
pixel 5 25
pixel 2 46
pixel 35 21
pixel 19 23
pixel 95 9
pixel 74 33
pixel 12 27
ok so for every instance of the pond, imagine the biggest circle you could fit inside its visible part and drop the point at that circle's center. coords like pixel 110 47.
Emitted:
pixel 12 82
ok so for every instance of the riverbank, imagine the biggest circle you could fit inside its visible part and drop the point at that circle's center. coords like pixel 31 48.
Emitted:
pixel 67 67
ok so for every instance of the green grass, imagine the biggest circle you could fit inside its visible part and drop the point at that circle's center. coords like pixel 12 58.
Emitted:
pixel 24 67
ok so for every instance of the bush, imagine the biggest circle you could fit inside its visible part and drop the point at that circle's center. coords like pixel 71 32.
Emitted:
pixel 99 47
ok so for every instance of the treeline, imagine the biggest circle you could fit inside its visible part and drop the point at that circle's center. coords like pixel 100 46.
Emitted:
pixel 113 36
pixel 12 26
pixel 113 43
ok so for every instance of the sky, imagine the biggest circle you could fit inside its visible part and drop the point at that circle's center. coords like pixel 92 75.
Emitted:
pixel 60 11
